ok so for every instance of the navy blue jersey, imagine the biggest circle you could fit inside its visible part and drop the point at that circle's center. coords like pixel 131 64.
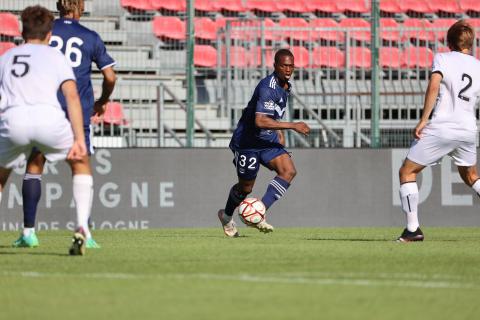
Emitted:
pixel 270 99
pixel 81 46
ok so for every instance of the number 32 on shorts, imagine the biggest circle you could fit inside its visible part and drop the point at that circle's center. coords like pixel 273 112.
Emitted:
pixel 246 161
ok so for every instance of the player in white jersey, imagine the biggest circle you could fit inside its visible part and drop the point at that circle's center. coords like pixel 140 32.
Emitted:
pixel 30 114
pixel 451 94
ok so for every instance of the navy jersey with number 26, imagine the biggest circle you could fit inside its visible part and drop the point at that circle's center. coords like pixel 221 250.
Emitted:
pixel 270 99
pixel 81 46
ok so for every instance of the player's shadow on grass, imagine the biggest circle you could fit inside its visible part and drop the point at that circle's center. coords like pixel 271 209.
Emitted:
pixel 24 251
pixel 349 239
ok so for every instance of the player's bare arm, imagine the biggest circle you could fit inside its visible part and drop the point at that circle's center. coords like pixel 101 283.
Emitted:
pixel 429 103
pixel 108 84
pixel 263 121
pixel 79 149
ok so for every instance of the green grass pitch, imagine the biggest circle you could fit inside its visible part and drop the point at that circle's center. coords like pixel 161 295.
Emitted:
pixel 293 273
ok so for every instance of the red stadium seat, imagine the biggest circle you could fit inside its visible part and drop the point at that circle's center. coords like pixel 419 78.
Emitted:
pixel 301 57
pixel 351 23
pixel 448 6
pixel 114 114
pixel 144 5
pixel 329 35
pixel 360 57
pixel 292 32
pixel 293 6
pixel 235 33
pixel 475 23
pixel 413 57
pixel 239 57
pixel 442 49
pixel 205 5
pixel 330 57
pixel 391 6
pixel 415 6
pixel 357 6
pixel 171 5
pixel 9 25
pixel 169 28
pixel 205 28
pixel 256 57
pixel 205 56
pixel 390 57
pixel 441 27
pixel 469 5
pixel 5 46
pixel 262 5
pixel 389 35
pixel 327 6
pixel 477 53
pixel 418 29
pixel 230 5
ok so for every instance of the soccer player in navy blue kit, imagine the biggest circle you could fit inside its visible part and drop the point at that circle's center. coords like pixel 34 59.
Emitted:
pixel 258 139
pixel 81 46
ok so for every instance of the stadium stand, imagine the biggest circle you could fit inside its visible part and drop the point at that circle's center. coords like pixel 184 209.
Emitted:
pixel 205 28
pixel 416 28
pixel 169 28
pixel 262 7
pixel 446 8
pixel 231 7
pixel 440 27
pixel 114 114
pixel 4 46
pixel 293 6
pixel 9 25
pixel 326 29
pixel 330 57
pixel 205 56
pixel 354 24
pixel 389 8
pixel 169 5
pixel 389 30
pixel 390 57
pixel 322 8
pixel 360 57
pixel 417 57
pixel 294 24
pixel 137 5
pixel 353 7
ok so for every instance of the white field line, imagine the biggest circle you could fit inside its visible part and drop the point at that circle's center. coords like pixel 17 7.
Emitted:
pixel 347 279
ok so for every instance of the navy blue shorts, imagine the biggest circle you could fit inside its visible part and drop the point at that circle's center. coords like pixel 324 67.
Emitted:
pixel 247 161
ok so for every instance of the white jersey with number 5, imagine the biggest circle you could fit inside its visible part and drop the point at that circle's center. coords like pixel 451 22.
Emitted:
pixel 454 113
pixel 31 74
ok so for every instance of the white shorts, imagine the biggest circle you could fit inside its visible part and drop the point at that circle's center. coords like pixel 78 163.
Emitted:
pixel 429 150
pixel 25 127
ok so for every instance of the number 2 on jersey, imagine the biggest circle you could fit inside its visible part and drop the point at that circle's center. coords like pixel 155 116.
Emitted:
pixel 73 53
pixel 469 84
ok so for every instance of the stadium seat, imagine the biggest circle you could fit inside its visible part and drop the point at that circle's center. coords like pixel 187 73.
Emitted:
pixel 256 57
pixel 475 23
pixel 418 29
pixel 230 5
pixel 144 5
pixel 447 6
pixel 114 114
pixel 415 6
pixel 326 6
pixel 355 6
pixel 235 32
pixel 390 57
pixel 302 58
pixel 239 57
pixel 389 35
pixel 205 5
pixel 421 57
pixel 330 57
pixel 441 26
pixel 360 57
pixel 390 6
pixel 469 5
pixel 205 56
pixel 293 6
pixel 441 48
pixel 9 25
pixel 477 53
pixel 291 32
pixel 169 28
pixel 329 35
pixel 5 46
pixel 170 5
pixel 205 28
pixel 351 23
pixel 269 6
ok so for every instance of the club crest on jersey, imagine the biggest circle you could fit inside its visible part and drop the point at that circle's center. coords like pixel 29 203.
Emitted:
pixel 269 105
pixel 279 110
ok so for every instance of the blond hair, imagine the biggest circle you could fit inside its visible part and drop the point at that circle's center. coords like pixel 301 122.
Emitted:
pixel 70 6
pixel 460 36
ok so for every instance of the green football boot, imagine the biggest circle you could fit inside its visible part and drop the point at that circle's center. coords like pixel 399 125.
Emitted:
pixel 30 241
pixel 92 244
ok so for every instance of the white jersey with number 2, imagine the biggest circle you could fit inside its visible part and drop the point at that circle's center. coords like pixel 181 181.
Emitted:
pixel 454 113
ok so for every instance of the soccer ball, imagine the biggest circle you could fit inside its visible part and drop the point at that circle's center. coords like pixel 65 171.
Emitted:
pixel 251 211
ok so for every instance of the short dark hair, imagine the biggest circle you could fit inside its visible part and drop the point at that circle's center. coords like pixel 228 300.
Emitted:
pixel 460 36
pixel 282 53
pixel 37 22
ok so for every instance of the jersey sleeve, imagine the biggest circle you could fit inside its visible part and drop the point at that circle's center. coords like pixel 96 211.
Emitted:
pixel 101 58
pixel 266 101
pixel 437 66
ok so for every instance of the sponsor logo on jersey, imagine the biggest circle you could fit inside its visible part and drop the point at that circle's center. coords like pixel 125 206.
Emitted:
pixel 269 105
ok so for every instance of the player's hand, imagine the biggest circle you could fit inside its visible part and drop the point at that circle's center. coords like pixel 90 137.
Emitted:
pixel 302 128
pixel 417 132
pixel 98 111
pixel 78 150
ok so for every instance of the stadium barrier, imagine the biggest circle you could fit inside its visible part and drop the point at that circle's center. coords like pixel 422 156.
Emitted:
pixel 163 188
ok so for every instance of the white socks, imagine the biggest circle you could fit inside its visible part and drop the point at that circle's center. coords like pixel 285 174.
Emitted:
pixel 409 199
pixel 82 194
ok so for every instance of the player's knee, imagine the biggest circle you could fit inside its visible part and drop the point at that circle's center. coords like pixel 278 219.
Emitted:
pixel 289 174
